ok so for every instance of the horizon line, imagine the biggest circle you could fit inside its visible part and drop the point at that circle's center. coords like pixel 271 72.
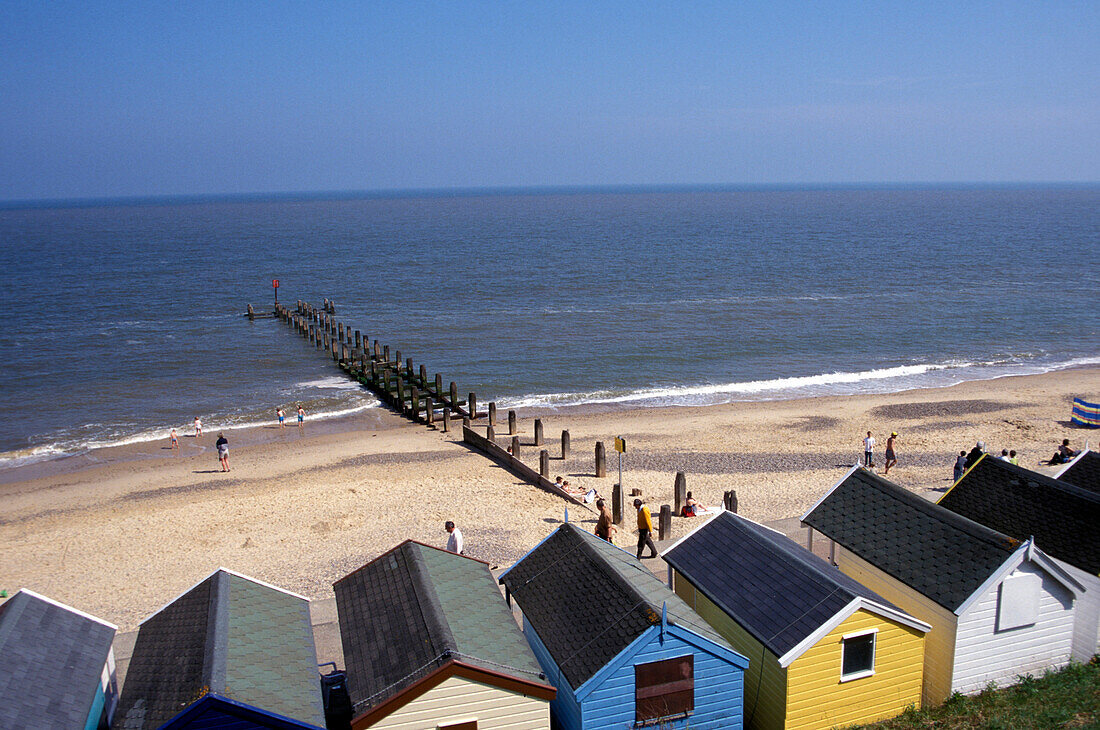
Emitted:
pixel 474 191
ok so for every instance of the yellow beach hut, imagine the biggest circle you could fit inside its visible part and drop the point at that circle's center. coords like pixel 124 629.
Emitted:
pixel 824 651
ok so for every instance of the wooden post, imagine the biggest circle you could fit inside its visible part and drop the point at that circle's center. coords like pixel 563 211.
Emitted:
pixel 601 459
pixel 438 386
pixel 446 420
pixel 251 313
pixel 617 504
pixel 358 340
pixel 493 412
pixel 471 404
pixel 385 353
pixel 680 492
pixel 424 375
pixel 340 331
pixel 414 395
pixel 544 464
pixel 400 393
pixel 429 410
pixel 490 432
pixel 512 422
pixel 538 432
pixel 664 523
pixel 335 350
pixel 729 500
pixel 373 372
pixel 515 446
pixel 564 445
pixel 377 350
pixel 465 422
pixel 397 359
pixel 409 367
pixel 454 396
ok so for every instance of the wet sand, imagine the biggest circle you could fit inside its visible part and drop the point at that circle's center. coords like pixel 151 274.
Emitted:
pixel 120 532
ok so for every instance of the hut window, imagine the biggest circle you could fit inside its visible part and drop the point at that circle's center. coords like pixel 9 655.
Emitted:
pixel 858 655
pixel 1019 602
pixel 663 689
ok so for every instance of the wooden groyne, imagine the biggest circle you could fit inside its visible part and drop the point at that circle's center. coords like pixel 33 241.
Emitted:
pixel 411 393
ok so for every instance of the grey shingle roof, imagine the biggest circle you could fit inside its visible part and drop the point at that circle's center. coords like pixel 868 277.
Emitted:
pixel 51 660
pixel 779 592
pixel 231 636
pixel 1064 519
pixel 415 608
pixel 936 552
pixel 1084 472
pixel 588 600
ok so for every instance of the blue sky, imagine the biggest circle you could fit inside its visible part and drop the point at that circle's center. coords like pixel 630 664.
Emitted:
pixel 121 99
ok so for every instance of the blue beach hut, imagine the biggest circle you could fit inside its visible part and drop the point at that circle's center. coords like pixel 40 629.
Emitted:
pixel 622 649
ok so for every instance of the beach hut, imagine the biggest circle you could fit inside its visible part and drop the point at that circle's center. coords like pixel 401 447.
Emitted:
pixel 824 651
pixel 622 649
pixel 1063 518
pixel 57 668
pixel 231 651
pixel 430 643
pixel 999 608
pixel 1083 471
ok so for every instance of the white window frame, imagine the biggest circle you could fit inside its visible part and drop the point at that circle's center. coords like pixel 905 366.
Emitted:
pixel 873 633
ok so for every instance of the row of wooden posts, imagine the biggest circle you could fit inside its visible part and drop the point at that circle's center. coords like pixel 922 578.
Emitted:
pixel 410 392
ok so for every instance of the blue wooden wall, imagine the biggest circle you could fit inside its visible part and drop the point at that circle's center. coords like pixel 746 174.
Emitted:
pixel 607 699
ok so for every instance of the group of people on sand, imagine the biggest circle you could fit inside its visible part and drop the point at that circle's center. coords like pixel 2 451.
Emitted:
pixel 967 459
pixel 281 415
pixel 891 451
pixel 222 444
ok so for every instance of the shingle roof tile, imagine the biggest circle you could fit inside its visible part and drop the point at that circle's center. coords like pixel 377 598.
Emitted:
pixel 1084 472
pixel 940 554
pixel 588 600
pixel 1063 518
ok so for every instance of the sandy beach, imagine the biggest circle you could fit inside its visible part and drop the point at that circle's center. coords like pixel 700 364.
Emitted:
pixel 121 532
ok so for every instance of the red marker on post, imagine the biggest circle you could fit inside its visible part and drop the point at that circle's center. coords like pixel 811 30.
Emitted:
pixel 275 285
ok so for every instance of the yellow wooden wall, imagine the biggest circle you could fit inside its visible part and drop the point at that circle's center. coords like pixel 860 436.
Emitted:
pixel 765 680
pixel 939 643
pixel 817 699
pixel 457 698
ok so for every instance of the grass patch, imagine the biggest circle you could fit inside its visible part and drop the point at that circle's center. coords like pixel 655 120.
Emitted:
pixel 1069 698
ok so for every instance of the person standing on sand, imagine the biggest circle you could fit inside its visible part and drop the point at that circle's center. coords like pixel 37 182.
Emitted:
pixel 605 525
pixel 174 441
pixel 301 415
pixel 645 529
pixel 454 542
pixel 198 427
pixel 891 455
pixel 282 417
pixel 960 466
pixel 975 454
pixel 869 451
pixel 223 451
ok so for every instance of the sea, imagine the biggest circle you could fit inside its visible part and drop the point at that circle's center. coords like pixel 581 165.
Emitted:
pixel 124 318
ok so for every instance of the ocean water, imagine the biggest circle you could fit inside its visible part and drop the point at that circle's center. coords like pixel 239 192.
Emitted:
pixel 124 319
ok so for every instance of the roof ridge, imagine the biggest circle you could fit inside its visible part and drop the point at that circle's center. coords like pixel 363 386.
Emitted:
pixel 427 600
pixel 216 654
pixel 974 529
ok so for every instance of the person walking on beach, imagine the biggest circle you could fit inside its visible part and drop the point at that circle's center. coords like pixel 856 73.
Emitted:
pixel 282 417
pixel 891 455
pixel 869 451
pixel 174 441
pixel 223 451
pixel 198 427
pixel 645 529
pixel 605 525
pixel 454 542
pixel 301 415
pixel 960 466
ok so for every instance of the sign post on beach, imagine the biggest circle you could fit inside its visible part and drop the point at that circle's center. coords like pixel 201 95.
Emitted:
pixel 620 446
pixel 275 286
